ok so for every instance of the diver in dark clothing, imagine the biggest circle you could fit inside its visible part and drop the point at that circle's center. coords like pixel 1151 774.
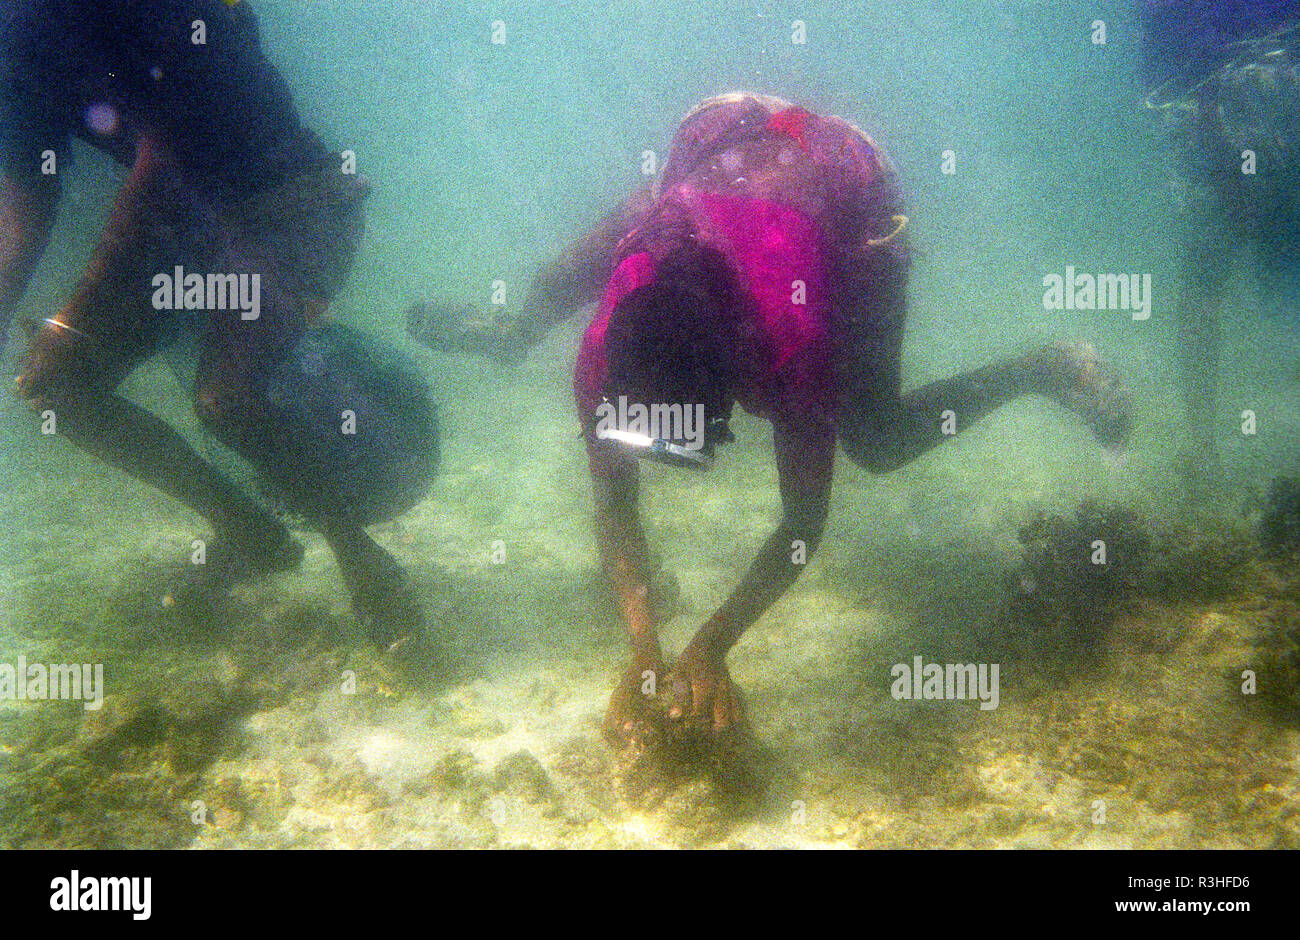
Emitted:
pixel 1226 78
pixel 227 183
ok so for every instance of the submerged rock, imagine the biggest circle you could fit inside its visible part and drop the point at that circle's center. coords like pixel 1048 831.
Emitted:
pixel 523 774
pixel 1279 531
pixel 1276 659
pixel 1077 572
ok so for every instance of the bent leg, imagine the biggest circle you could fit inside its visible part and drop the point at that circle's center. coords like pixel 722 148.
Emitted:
pixel 249 540
pixel 77 360
pixel 234 403
pixel 888 433
pixel 882 428
pixel 377 585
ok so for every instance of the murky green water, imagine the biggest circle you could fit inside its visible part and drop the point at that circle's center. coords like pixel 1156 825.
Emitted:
pixel 272 722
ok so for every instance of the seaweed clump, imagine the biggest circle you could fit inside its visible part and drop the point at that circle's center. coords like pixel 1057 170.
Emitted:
pixel 1079 573
pixel 1273 605
pixel 1279 530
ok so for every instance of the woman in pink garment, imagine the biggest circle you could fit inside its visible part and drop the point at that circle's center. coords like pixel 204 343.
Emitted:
pixel 767 267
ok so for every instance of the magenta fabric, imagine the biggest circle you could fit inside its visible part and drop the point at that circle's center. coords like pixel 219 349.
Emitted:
pixel 773 249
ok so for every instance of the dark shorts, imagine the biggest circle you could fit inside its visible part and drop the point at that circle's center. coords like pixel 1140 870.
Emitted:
pixel 297 240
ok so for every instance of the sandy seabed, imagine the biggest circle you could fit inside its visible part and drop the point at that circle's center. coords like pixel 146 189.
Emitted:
pixel 269 722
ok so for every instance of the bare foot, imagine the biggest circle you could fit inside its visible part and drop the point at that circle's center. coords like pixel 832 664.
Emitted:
pixel 1074 376
pixel 458 328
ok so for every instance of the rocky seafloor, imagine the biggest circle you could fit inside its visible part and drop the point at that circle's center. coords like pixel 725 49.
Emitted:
pixel 267 721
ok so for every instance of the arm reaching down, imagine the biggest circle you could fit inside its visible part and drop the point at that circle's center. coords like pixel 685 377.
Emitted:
pixel 27 210
pixel 703 696
pixel 700 693
pixel 625 559
pixel 151 197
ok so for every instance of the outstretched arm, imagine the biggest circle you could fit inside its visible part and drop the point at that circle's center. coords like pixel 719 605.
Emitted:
pixel 563 286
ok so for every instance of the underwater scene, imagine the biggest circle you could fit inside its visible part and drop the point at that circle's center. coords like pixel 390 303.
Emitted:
pixel 723 424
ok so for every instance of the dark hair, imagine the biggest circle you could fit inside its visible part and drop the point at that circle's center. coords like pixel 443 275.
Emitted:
pixel 675 340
